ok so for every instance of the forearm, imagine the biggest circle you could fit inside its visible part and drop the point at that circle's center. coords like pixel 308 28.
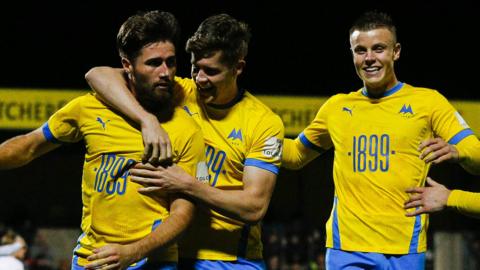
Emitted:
pixel 22 149
pixel 248 204
pixel 465 202
pixel 469 154
pixel 166 233
pixel 231 203
pixel 295 155
pixel 13 154
pixel 111 86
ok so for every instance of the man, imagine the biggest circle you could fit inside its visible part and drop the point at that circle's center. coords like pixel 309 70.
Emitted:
pixel 244 142
pixel 113 210
pixel 375 132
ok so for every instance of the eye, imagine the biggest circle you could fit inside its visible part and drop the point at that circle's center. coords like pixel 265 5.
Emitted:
pixel 211 71
pixel 379 48
pixel 155 62
pixel 360 50
pixel 171 62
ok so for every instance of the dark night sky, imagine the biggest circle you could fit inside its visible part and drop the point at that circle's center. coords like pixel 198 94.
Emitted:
pixel 296 48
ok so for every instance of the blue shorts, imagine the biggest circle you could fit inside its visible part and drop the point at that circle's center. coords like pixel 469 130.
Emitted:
pixel 336 259
pixel 141 265
pixel 239 264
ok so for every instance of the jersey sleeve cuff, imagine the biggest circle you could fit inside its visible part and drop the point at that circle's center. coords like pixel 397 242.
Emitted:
pixel 307 143
pixel 48 134
pixel 262 165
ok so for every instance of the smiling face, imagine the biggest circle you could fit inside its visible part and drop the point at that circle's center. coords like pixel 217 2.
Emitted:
pixel 216 81
pixel 152 73
pixel 374 54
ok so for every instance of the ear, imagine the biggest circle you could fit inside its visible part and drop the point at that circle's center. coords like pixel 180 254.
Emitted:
pixel 396 51
pixel 240 66
pixel 127 65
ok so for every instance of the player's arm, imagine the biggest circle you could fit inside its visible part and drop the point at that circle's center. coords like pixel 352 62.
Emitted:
pixel 20 150
pixel 428 199
pixel 435 197
pixel 466 152
pixel 249 202
pixel 248 205
pixel 181 214
pixel 295 154
pixel 469 154
pixel 449 124
pixel 465 202
pixel 115 256
pixel 313 141
pixel 437 150
pixel 111 86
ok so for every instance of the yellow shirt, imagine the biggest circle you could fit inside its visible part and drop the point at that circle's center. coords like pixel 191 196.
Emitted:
pixel 113 210
pixel 244 133
pixel 376 160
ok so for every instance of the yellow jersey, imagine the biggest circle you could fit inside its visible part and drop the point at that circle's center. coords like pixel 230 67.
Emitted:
pixel 243 133
pixel 376 160
pixel 113 210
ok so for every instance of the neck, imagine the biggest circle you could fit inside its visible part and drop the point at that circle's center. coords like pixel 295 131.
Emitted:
pixel 377 91
pixel 381 91
pixel 231 99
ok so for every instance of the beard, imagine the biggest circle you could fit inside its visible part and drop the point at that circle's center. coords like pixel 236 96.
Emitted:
pixel 159 102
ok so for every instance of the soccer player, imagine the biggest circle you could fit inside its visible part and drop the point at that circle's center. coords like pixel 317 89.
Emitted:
pixel 113 210
pixel 244 142
pixel 375 133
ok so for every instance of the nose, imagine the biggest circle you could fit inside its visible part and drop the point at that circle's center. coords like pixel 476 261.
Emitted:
pixel 370 57
pixel 164 70
pixel 200 77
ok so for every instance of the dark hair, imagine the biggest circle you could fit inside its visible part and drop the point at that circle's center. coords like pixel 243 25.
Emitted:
pixel 221 32
pixel 371 20
pixel 145 28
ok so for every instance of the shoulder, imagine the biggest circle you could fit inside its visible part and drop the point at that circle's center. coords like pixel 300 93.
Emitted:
pixel 251 102
pixel 187 85
pixel 341 98
pixel 87 100
pixel 257 109
pixel 423 91
pixel 182 123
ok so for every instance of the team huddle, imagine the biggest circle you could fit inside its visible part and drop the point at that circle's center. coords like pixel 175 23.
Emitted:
pixel 179 172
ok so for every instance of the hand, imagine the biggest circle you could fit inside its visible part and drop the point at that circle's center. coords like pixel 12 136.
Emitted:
pixel 428 199
pixel 158 149
pixel 171 179
pixel 112 256
pixel 437 150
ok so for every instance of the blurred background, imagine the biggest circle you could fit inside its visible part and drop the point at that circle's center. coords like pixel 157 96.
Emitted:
pixel 298 49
